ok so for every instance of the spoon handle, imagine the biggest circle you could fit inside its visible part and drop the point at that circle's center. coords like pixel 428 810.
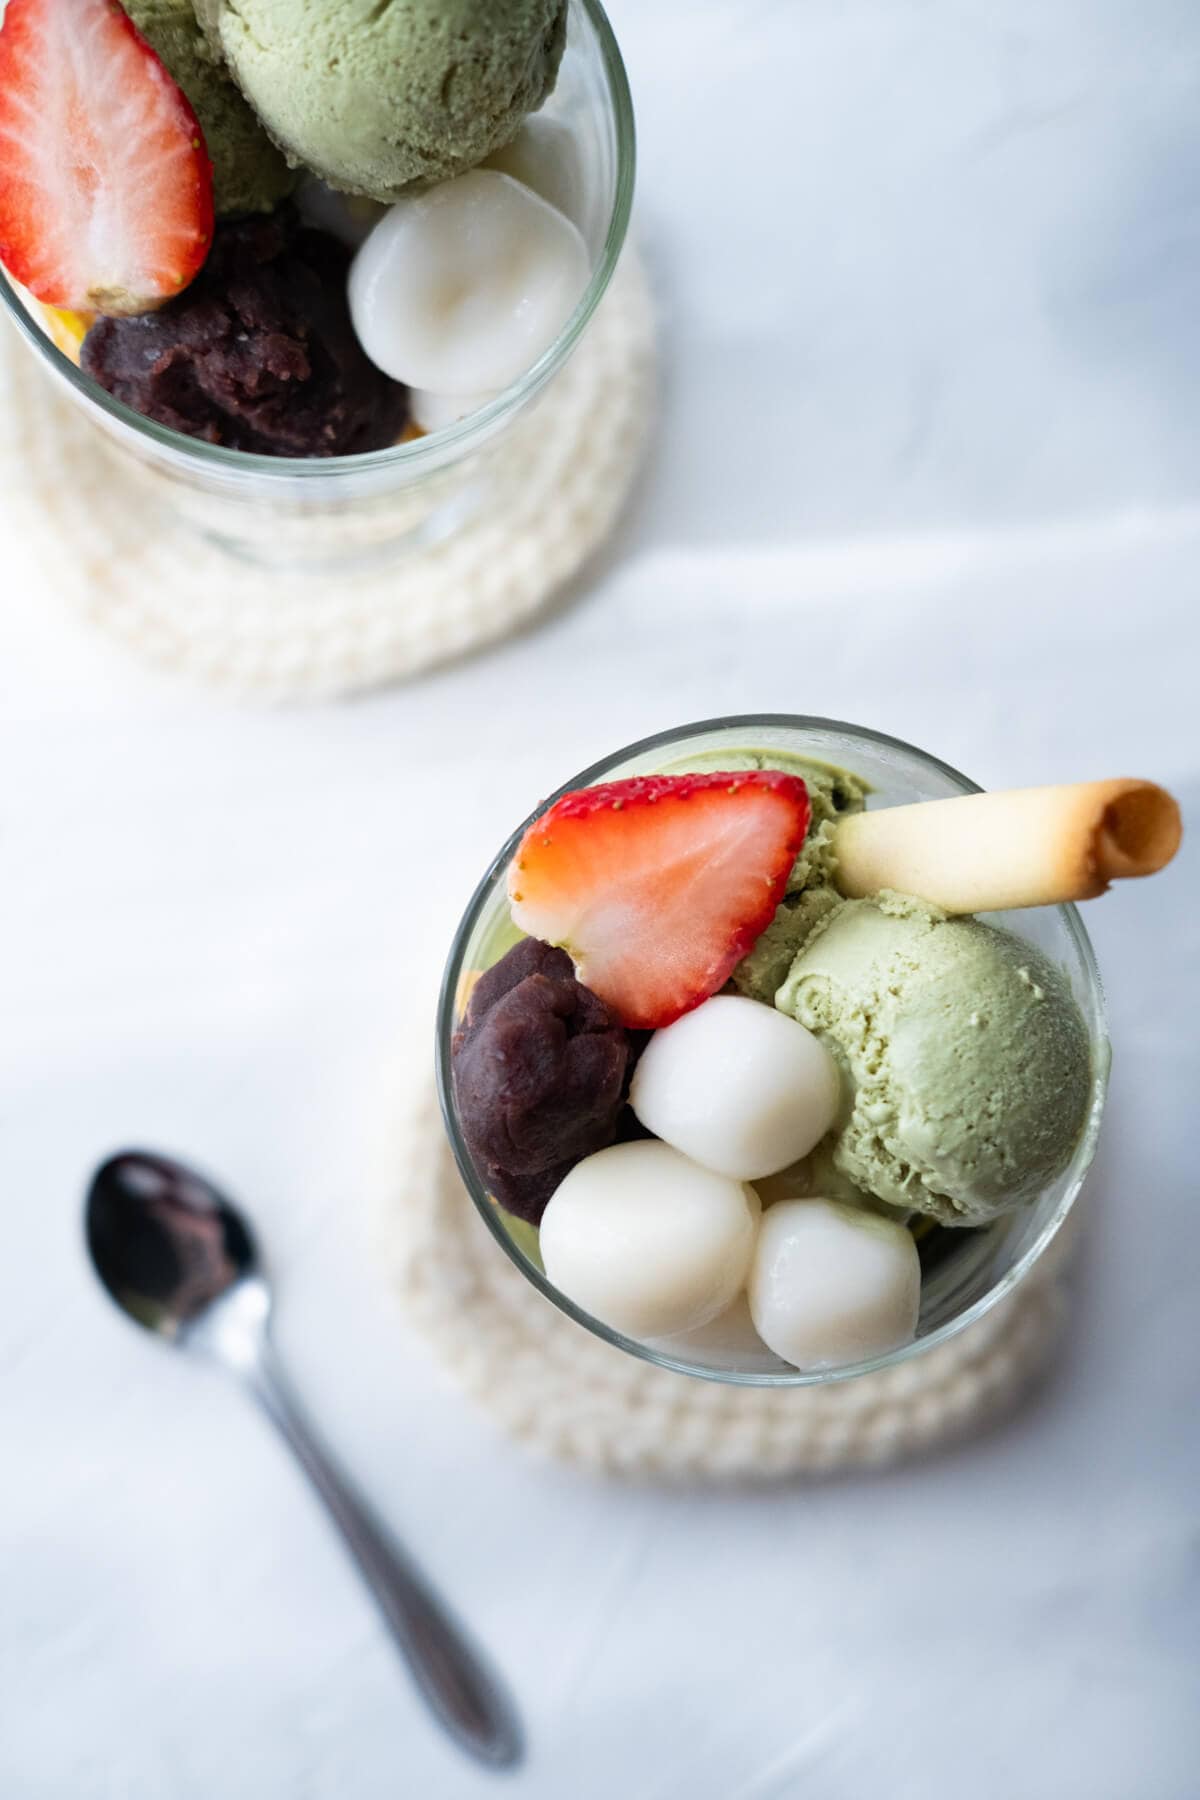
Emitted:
pixel 451 1674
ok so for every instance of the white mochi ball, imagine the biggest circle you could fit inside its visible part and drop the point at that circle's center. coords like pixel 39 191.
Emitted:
pixel 729 1339
pixel 830 1284
pixel 460 289
pixel 647 1241
pixel 434 412
pixel 545 156
pixel 737 1086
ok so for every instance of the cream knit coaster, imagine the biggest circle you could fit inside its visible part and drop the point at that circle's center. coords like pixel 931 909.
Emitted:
pixel 567 1394
pixel 108 538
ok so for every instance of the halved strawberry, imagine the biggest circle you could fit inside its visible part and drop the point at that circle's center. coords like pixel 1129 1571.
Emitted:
pixel 106 199
pixel 659 886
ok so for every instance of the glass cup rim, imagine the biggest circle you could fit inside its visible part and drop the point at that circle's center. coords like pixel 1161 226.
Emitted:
pixel 421 454
pixel 1080 1163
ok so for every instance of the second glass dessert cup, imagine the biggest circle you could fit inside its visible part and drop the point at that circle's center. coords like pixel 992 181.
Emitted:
pixel 966 1272
pixel 332 513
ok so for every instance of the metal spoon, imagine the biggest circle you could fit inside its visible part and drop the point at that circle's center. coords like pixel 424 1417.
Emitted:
pixel 176 1256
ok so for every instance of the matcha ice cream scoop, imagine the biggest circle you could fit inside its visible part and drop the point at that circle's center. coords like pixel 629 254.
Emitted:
pixel 966 1056
pixel 379 99
pixel 249 174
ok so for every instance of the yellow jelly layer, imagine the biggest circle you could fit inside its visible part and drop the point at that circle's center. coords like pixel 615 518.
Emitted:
pixel 67 330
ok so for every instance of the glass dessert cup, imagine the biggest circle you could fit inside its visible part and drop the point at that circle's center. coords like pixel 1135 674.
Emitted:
pixel 331 513
pixel 965 1272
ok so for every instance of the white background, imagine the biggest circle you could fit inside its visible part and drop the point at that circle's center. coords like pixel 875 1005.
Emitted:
pixel 928 460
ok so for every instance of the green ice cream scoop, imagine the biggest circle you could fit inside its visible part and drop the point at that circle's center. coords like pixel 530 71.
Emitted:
pixel 966 1056
pixel 377 99
pixel 249 174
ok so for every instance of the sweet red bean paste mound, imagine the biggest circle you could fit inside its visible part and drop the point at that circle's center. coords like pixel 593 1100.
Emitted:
pixel 540 1073
pixel 258 353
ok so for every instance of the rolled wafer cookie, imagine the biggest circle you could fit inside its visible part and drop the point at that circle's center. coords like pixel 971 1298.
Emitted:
pixel 1024 847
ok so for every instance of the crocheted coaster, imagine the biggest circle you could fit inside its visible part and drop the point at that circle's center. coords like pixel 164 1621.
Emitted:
pixel 568 1394
pixel 119 554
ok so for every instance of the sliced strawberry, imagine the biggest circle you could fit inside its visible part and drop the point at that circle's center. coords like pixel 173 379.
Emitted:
pixel 106 200
pixel 660 885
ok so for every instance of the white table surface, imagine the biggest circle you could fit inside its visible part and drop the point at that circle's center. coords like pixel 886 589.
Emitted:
pixel 928 461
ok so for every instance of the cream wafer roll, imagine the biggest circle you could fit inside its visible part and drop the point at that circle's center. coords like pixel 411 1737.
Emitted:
pixel 1025 847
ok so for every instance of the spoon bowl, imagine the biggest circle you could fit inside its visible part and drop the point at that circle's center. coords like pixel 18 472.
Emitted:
pixel 164 1241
